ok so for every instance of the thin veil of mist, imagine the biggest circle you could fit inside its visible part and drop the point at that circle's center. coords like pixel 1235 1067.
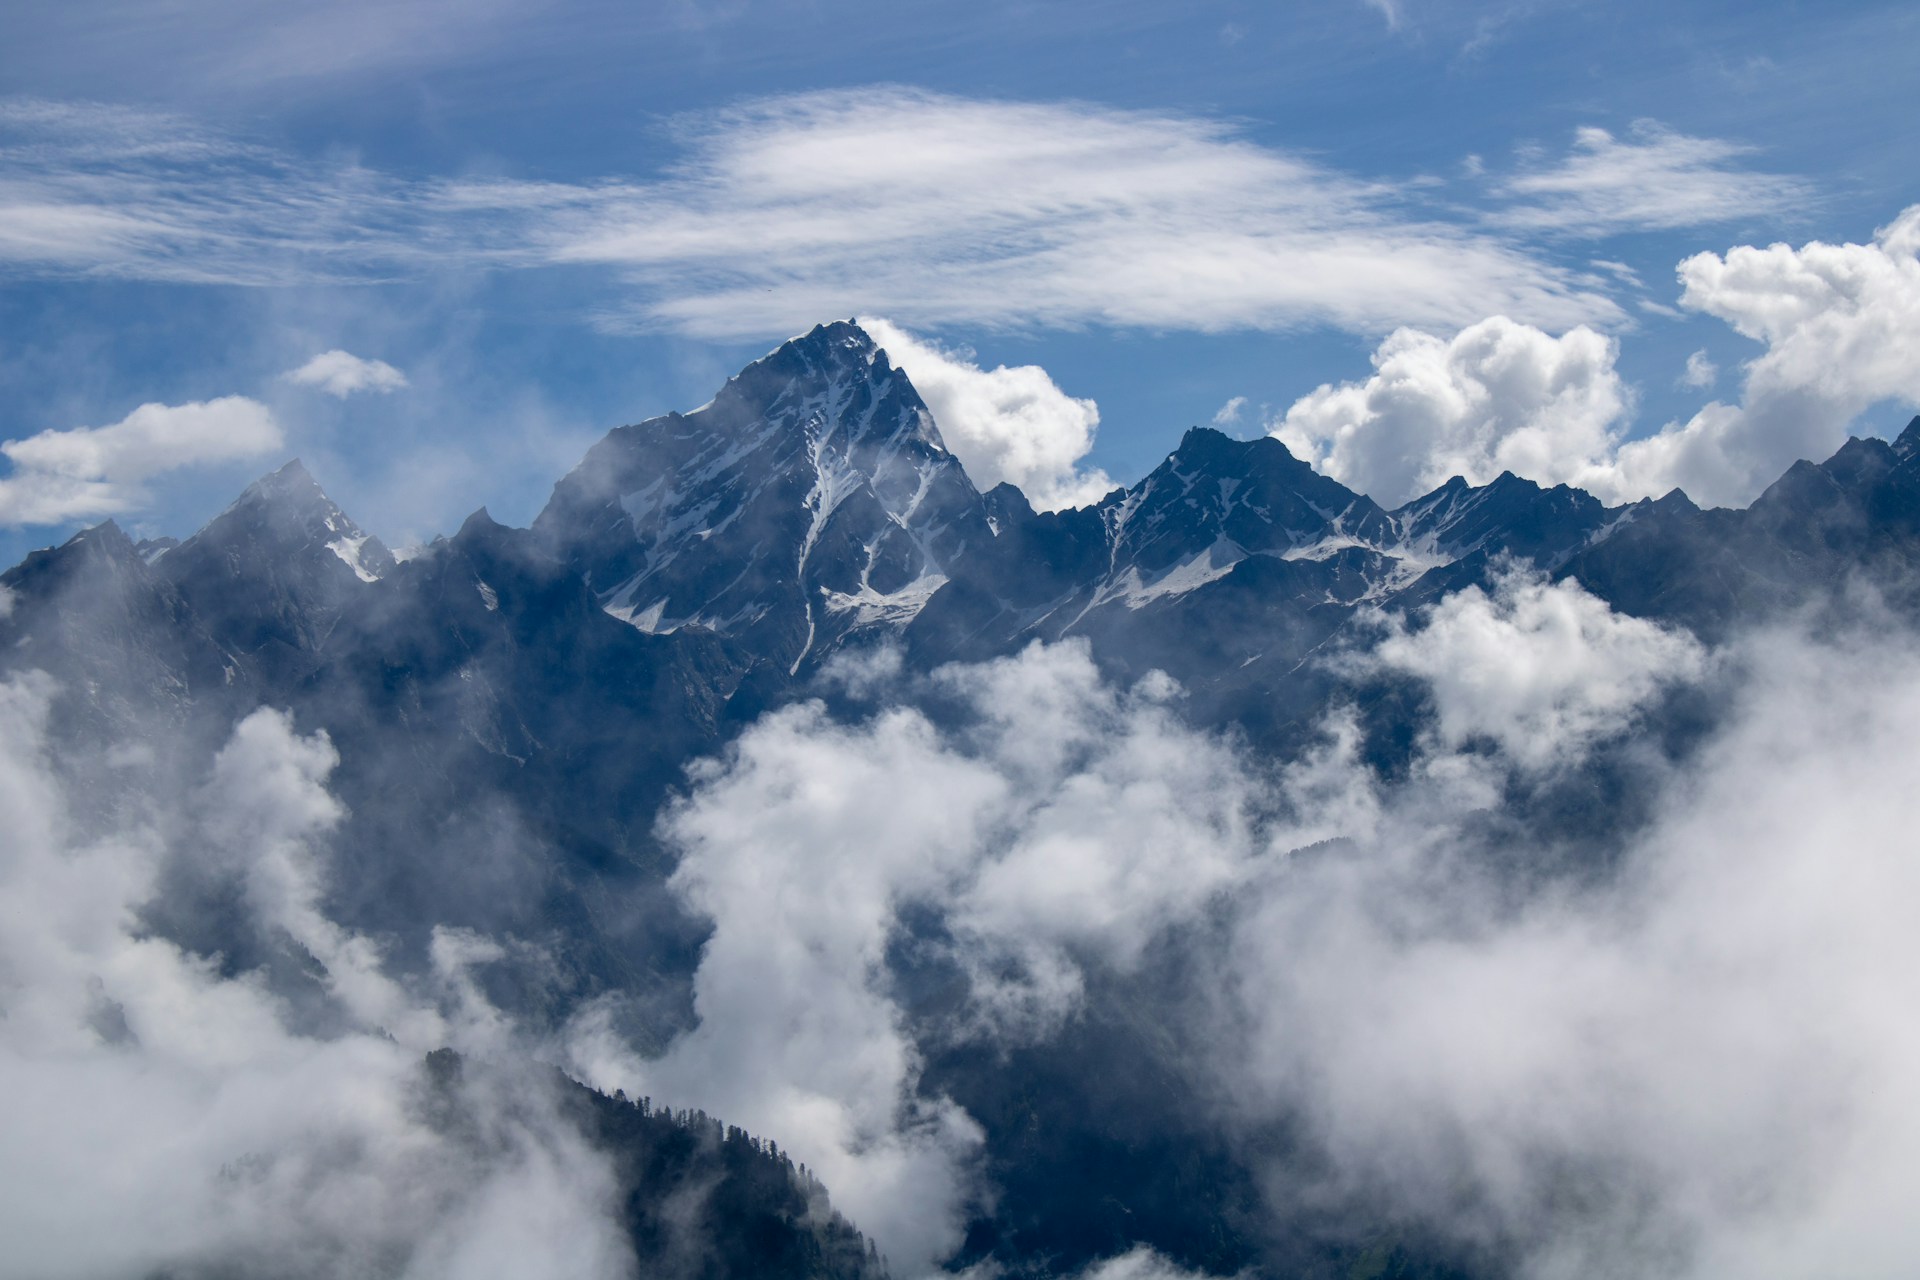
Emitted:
pixel 240 1140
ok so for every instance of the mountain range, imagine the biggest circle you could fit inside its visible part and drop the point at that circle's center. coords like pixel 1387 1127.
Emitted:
pixel 513 707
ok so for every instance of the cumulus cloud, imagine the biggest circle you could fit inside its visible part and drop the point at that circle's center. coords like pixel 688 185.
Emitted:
pixel 167 1118
pixel 1538 668
pixel 1835 320
pixel 341 374
pixel 1501 395
pixel 90 471
pixel 1013 425
pixel 928 208
pixel 1652 180
pixel 1498 396
pixel 1230 413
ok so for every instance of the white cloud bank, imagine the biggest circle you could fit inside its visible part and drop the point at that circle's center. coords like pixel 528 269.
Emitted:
pixel 1013 425
pixel 1068 822
pixel 1838 323
pixel 93 471
pixel 1693 1066
pixel 1072 814
pixel 341 374
pixel 1539 669
pixel 1497 396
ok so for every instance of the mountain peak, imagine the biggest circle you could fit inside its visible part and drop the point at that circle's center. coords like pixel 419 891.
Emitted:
pixel 1208 449
pixel 1908 442
pixel 1203 442
pixel 280 518
pixel 106 540
pixel 287 494
pixel 480 524
pixel 812 494
pixel 813 379
pixel 291 481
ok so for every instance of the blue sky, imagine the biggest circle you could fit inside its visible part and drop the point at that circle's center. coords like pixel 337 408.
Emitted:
pixel 546 218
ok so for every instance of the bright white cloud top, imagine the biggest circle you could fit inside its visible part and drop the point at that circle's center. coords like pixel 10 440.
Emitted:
pixel 341 374
pixel 1497 396
pixel 1005 425
pixel 1839 323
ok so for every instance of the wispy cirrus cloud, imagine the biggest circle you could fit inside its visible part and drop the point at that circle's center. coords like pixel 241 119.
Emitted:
pixel 1389 11
pixel 228 45
pixel 936 209
pixel 929 208
pixel 95 190
pixel 932 209
pixel 1652 179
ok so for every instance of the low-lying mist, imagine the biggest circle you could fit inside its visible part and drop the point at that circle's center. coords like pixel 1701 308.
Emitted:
pixel 1567 988
pixel 167 1117
pixel 1600 969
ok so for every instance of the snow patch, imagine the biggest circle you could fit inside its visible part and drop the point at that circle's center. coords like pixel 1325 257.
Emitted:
pixel 896 608
pixel 1138 591
pixel 348 549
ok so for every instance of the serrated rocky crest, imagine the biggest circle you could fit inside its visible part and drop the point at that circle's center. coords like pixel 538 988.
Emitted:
pixel 811 498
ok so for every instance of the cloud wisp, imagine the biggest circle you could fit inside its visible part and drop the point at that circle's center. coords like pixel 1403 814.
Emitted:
pixel 935 209
pixel 59 476
pixel 926 208
pixel 1654 179
pixel 94 190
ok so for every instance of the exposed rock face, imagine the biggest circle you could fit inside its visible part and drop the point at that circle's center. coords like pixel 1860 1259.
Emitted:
pixel 811 498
